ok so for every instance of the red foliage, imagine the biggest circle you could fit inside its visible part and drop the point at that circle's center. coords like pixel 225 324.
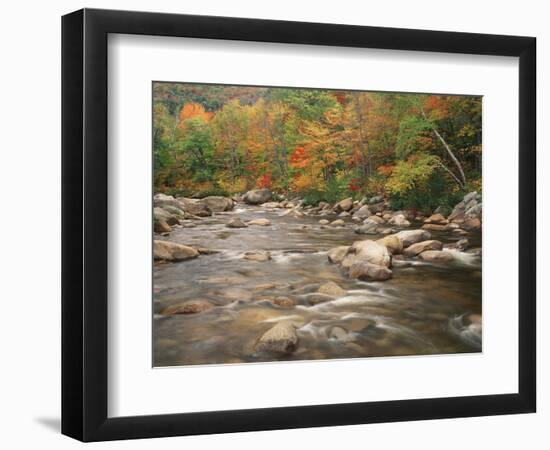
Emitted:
pixel 265 181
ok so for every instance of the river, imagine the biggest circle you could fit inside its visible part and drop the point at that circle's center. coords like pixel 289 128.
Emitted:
pixel 421 310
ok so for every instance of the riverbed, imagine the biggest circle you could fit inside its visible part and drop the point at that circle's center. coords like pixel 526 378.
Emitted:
pixel 422 310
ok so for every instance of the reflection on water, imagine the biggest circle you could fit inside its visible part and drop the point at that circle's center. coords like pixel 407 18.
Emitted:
pixel 424 309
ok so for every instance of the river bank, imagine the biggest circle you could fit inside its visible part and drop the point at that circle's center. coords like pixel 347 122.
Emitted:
pixel 259 281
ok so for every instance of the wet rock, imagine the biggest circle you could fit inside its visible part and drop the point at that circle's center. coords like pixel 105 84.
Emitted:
pixel 316 298
pixel 337 223
pixel 235 222
pixel 410 237
pixel 282 338
pixel 257 255
pixel 344 205
pixel 339 334
pixel 377 208
pixel 363 212
pixel 459 231
pixel 392 243
pixel 434 227
pixel 344 214
pixel 369 272
pixel 170 251
pixel 264 287
pixel 160 200
pixel 437 219
pixel 285 302
pixel 436 256
pixel 460 245
pixel 257 196
pixel 419 247
pixel 271 205
pixel 367 251
pixel 260 222
pixel 292 213
pixel 324 222
pixel 331 288
pixel 337 254
pixel 218 204
pixel 188 307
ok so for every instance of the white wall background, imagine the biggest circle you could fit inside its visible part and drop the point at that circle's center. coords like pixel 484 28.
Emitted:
pixel 30 229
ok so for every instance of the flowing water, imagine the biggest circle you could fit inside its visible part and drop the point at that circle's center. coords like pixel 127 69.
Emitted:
pixel 423 309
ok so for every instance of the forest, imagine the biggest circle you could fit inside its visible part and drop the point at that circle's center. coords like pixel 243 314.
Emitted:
pixel 419 151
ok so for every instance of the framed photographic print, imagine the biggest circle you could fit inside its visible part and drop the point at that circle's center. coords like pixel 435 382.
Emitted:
pixel 273 224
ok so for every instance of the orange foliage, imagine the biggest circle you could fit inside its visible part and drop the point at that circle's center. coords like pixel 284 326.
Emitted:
pixel 192 110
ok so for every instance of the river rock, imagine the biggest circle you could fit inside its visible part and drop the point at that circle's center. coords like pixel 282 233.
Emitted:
pixel 261 222
pixel 344 214
pixel 423 246
pixel 409 237
pixel 437 219
pixel 392 243
pixel 436 256
pixel 174 210
pixel 160 200
pixel 271 205
pixel 363 212
pixel 376 199
pixel 161 226
pixel 367 251
pixel 337 254
pixel 257 255
pixel 194 207
pixel 285 302
pixel 434 227
pixel 337 223
pixel 324 222
pixel 471 224
pixel 170 251
pixel 376 219
pixel 282 338
pixel 161 214
pixel 316 298
pixel 344 205
pixel 217 204
pixel 368 227
pixel 257 196
pixel 292 213
pixel 399 220
pixel 331 288
pixel 235 222
pixel 459 231
pixel 188 307
pixel 369 272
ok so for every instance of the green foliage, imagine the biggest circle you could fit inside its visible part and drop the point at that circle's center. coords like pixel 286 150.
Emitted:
pixel 411 129
pixel 198 148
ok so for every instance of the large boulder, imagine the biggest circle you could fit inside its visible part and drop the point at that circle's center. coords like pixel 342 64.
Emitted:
pixel 367 251
pixel 376 199
pixel 392 243
pixel 419 247
pixel 282 338
pixel 337 254
pixel 368 227
pixel 165 200
pixel 257 196
pixel 472 223
pixel 344 205
pixel 369 272
pixel 161 226
pixel 170 251
pixel 410 237
pixel 218 204
pixel 194 207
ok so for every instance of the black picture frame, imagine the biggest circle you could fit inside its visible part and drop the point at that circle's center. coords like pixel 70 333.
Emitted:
pixel 84 224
